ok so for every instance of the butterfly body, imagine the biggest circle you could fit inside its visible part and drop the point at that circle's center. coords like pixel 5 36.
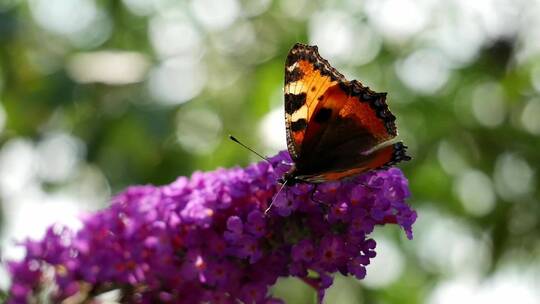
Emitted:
pixel 336 128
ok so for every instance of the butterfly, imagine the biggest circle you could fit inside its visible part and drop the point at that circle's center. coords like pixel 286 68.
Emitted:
pixel 336 128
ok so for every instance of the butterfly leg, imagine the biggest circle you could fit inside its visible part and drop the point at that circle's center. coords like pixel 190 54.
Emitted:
pixel 368 187
pixel 312 196
pixel 321 204
pixel 276 195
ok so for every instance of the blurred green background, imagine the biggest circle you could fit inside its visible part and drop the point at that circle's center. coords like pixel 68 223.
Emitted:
pixel 97 95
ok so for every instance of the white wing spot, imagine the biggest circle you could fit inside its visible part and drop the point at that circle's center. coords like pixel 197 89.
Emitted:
pixel 292 66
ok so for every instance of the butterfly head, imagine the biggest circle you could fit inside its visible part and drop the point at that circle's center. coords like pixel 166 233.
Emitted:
pixel 290 177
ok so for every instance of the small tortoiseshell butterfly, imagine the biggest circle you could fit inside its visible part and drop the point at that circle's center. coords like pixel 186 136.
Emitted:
pixel 335 128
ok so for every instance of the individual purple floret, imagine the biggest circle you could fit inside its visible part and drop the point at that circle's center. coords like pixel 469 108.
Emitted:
pixel 207 239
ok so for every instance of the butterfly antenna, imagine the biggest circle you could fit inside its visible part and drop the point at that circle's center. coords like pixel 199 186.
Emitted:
pixel 275 197
pixel 266 159
pixel 241 144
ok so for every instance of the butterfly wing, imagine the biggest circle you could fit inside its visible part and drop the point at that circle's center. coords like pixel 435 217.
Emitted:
pixel 307 77
pixel 381 158
pixel 335 128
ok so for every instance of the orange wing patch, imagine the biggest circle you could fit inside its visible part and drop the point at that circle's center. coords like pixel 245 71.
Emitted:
pixel 352 101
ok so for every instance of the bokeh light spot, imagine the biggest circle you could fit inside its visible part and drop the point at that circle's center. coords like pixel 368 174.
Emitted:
pixel 109 67
pixel 198 130
pixel 332 31
pixel 140 7
pixel 177 80
pixel 425 71
pixel 216 14
pixel 450 159
pixel 488 104
pixel 513 176
pixel 535 77
pixel 387 267
pixel 530 116
pixel 64 17
pixel 448 246
pixel 508 285
pixel 475 191
pixel 397 19
pixel 343 291
pixel 272 129
pixel 17 166
pixel 459 38
pixel 239 40
pixel 59 155
pixel 81 21
pixel 173 34
pixel 295 9
pixel 253 8
pixel 341 38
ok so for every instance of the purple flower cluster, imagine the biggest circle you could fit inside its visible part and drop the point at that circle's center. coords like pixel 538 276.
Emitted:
pixel 207 240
